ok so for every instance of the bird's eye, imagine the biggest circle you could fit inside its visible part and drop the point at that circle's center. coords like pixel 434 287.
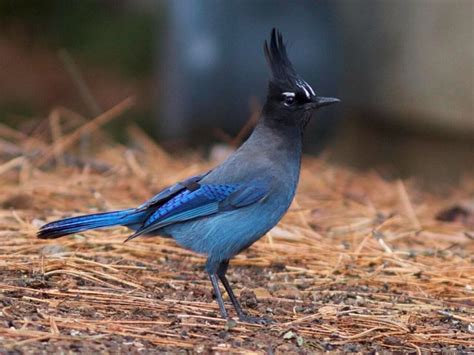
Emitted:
pixel 288 99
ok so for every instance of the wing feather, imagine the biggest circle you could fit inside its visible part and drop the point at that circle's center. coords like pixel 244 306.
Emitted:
pixel 208 199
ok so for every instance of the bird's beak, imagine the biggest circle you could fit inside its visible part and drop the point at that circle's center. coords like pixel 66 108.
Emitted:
pixel 318 101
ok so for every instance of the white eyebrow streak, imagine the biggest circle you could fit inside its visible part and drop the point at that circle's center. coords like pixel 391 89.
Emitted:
pixel 300 84
pixel 310 88
pixel 292 94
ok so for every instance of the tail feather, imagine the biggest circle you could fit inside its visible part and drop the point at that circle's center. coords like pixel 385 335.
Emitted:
pixel 78 224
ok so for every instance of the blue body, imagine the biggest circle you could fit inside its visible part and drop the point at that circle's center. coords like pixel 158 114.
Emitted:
pixel 219 213
pixel 275 164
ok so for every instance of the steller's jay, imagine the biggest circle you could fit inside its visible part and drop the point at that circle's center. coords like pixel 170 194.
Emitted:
pixel 223 211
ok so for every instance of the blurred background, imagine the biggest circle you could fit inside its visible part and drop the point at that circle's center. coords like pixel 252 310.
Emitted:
pixel 404 71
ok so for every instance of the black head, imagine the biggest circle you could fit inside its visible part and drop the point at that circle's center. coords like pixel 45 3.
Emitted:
pixel 290 100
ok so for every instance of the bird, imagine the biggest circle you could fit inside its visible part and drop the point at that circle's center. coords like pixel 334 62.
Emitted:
pixel 222 212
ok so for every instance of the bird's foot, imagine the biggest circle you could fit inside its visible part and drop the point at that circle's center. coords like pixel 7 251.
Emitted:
pixel 255 320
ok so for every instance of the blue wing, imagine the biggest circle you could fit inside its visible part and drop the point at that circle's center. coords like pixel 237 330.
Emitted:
pixel 246 195
pixel 165 195
pixel 204 200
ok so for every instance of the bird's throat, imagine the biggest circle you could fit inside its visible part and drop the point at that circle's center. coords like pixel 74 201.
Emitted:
pixel 277 138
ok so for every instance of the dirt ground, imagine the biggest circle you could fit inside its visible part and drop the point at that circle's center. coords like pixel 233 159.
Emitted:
pixel 359 264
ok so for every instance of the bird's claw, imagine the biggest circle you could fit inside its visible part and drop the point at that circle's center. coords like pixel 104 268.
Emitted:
pixel 255 320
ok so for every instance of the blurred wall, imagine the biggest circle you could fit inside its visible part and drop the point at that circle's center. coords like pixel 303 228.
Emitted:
pixel 404 71
pixel 213 61
pixel 109 42
pixel 411 61
pixel 408 87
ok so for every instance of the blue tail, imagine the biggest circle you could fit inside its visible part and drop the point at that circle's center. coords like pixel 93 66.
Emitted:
pixel 92 221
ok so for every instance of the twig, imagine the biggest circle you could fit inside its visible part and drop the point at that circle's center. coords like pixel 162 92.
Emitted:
pixel 407 206
pixel 68 140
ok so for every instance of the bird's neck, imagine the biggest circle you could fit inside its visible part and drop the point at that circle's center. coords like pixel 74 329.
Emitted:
pixel 277 138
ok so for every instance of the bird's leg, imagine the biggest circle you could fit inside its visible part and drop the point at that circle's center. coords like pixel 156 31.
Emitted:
pixel 218 294
pixel 238 308
pixel 235 302
pixel 212 271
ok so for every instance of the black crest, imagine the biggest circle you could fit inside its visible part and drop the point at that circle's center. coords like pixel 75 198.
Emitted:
pixel 284 75
pixel 277 59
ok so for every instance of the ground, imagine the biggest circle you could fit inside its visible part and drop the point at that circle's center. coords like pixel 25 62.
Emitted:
pixel 358 264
